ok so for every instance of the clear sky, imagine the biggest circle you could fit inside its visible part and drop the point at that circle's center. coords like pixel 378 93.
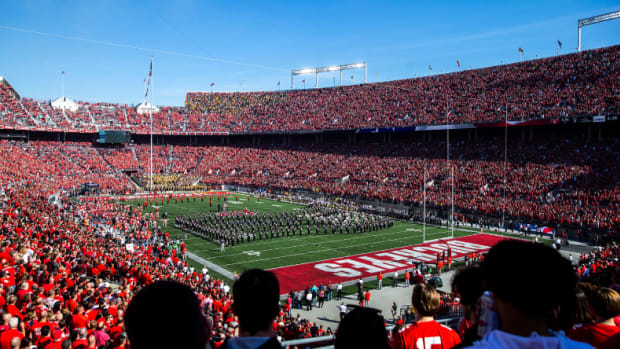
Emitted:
pixel 105 46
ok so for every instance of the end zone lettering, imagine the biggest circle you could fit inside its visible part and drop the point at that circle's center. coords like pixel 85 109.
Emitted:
pixel 369 264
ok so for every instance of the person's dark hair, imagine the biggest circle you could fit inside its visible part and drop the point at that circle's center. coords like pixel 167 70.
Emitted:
pixel 45 331
pixel 573 311
pixel 362 328
pixel 166 314
pixel 467 282
pixel 256 297
pixel 66 344
pixel 534 278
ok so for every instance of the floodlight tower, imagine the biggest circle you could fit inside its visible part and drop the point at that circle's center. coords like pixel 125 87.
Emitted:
pixel 338 68
pixel 594 20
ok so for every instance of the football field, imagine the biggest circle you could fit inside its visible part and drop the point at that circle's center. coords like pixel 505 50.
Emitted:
pixel 286 251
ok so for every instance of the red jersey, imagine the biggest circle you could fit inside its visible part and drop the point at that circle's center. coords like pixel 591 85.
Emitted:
pixel 79 321
pixel 6 336
pixel 594 334
pixel 425 335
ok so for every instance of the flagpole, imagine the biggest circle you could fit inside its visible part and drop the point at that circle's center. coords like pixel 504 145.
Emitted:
pixel 452 217
pixel 424 210
pixel 505 160
pixel 63 85
pixel 448 151
pixel 151 119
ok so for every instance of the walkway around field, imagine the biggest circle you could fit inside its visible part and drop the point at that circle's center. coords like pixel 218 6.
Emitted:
pixel 216 268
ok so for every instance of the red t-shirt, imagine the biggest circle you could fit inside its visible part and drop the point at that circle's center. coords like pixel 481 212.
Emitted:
pixel 594 334
pixel 79 321
pixel 6 336
pixel 429 334
pixel 79 342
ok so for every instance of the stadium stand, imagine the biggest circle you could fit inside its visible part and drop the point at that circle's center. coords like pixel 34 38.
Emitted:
pixel 557 87
pixel 572 183
pixel 573 85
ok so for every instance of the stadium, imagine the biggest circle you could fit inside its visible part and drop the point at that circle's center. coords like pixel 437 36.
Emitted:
pixel 337 191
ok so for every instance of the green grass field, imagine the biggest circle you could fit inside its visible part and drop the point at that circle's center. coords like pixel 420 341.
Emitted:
pixel 284 251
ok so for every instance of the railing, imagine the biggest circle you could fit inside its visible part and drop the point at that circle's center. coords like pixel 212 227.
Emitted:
pixel 325 342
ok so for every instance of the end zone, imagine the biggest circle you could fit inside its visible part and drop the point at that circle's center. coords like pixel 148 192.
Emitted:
pixel 296 277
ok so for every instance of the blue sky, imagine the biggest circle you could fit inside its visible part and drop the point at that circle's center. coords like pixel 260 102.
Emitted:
pixel 105 46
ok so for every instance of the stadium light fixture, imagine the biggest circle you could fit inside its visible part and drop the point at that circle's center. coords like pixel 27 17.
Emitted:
pixel 594 20
pixel 339 68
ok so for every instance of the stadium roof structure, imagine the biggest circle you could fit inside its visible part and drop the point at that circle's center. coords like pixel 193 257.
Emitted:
pixel 146 107
pixel 65 103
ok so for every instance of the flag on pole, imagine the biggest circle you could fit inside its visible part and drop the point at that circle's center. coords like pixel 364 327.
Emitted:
pixel 63 72
pixel 560 43
pixel 429 67
pixel 520 50
pixel 304 81
pixel 458 64
pixel 278 83
pixel 149 81
pixel 351 77
pixel 212 84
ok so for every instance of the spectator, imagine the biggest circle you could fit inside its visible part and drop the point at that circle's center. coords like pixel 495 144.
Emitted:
pixel 604 307
pixel 425 331
pixel 522 310
pixel 362 328
pixel 7 336
pixel 170 310
pixel 100 334
pixel 256 298
pixel 467 286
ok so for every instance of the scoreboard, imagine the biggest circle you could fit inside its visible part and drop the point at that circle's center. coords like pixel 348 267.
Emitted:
pixel 114 137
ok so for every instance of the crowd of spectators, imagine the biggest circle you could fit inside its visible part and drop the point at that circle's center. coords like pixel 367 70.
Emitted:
pixel 570 183
pixel 564 182
pixel 583 83
pixel 570 85
pixel 56 166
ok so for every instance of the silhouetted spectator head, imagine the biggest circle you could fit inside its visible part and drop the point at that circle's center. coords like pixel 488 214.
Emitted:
pixel 256 298
pixel 574 311
pixel 467 284
pixel 362 328
pixel 425 300
pixel 166 314
pixel 529 281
